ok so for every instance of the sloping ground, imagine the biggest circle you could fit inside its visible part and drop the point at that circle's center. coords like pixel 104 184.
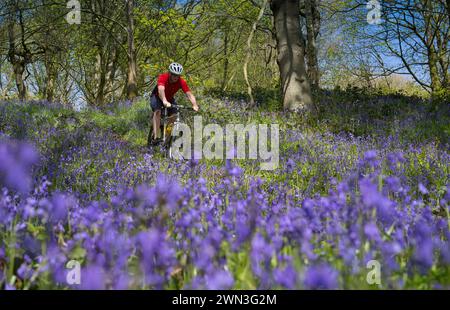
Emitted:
pixel 136 220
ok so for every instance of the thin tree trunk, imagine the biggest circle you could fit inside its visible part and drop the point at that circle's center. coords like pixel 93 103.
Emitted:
pixel 229 81
pixel 249 51
pixel 295 87
pixel 51 73
pixel 312 28
pixel 448 10
pixel 131 55
pixel 50 84
pixel 226 60
pixel 112 67
pixel 101 79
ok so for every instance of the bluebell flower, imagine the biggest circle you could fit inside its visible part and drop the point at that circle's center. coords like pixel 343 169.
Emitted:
pixel 321 277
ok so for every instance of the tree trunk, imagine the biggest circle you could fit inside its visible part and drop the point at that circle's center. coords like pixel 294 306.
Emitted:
pixel 226 61
pixel 50 56
pixel 448 10
pixel 229 81
pixel 17 63
pixel 50 74
pixel 434 72
pixel 312 28
pixel 291 55
pixel 433 58
pixel 100 78
pixel 249 51
pixel 20 83
pixel 112 67
pixel 443 61
pixel 50 85
pixel 131 55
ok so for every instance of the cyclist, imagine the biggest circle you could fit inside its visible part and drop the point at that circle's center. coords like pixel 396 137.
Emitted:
pixel 163 95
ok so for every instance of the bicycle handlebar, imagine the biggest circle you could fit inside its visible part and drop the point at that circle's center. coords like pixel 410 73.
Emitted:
pixel 178 107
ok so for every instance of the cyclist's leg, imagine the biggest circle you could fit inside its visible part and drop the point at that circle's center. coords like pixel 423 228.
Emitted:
pixel 172 111
pixel 171 117
pixel 156 105
pixel 174 153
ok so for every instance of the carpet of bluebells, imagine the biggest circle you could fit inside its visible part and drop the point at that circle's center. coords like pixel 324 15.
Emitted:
pixel 74 187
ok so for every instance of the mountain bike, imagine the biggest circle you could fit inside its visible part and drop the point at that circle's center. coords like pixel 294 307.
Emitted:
pixel 166 129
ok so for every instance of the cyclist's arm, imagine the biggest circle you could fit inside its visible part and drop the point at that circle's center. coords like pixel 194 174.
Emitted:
pixel 162 94
pixel 192 99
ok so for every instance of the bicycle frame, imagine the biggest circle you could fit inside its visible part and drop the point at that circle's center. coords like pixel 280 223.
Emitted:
pixel 167 128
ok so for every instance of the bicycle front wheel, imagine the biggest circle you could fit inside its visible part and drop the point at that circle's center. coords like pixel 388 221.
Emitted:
pixel 175 152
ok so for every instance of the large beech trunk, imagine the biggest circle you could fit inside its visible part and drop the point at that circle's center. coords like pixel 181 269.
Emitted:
pixel 291 55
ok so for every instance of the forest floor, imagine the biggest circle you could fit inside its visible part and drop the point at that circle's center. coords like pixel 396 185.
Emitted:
pixel 364 178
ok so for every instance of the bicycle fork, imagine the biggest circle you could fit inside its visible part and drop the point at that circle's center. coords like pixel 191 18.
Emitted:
pixel 165 124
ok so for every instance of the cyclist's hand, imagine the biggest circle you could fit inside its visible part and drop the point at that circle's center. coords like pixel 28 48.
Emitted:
pixel 167 104
pixel 195 107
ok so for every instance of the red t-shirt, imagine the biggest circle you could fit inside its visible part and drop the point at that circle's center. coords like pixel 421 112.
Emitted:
pixel 171 88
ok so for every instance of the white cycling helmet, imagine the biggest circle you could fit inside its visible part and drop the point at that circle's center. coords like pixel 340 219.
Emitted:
pixel 176 68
